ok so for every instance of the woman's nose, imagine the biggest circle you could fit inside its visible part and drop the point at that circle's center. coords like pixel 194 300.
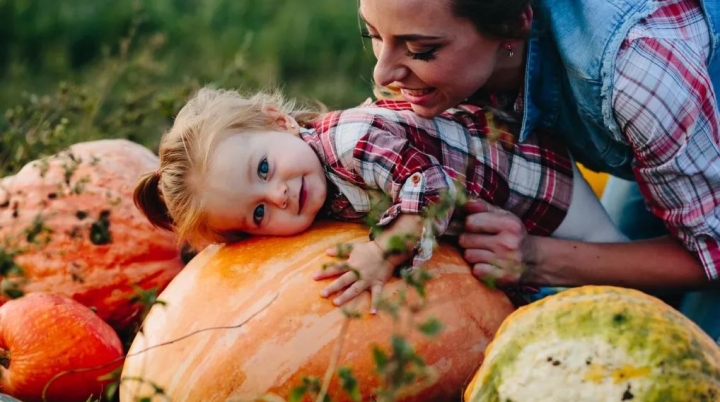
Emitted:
pixel 388 69
pixel 279 195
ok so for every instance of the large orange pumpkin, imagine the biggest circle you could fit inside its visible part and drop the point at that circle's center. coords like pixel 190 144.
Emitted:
pixel 271 327
pixel 68 225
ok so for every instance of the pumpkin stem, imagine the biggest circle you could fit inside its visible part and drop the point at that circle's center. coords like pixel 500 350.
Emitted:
pixel 5 358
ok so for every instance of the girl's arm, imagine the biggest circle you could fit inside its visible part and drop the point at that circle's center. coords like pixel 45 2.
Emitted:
pixel 404 232
pixel 372 263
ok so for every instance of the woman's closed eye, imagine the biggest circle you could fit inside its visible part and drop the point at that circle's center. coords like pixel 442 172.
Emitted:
pixel 263 169
pixel 426 55
pixel 366 34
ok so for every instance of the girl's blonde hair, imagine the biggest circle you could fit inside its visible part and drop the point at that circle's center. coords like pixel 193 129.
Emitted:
pixel 171 197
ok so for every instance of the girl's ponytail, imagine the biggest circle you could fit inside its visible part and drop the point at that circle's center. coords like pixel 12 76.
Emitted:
pixel 149 201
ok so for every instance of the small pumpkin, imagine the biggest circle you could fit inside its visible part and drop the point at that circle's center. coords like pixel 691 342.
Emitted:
pixel 245 320
pixel 68 225
pixel 55 349
pixel 598 343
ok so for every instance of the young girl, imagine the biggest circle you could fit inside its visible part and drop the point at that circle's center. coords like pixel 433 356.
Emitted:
pixel 233 166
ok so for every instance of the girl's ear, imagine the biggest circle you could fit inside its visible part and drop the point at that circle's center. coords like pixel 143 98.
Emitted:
pixel 282 120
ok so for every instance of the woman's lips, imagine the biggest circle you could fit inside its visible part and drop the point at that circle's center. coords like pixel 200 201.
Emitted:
pixel 418 96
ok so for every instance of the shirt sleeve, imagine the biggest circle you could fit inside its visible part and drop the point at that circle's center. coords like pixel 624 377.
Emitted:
pixel 666 106
pixel 386 160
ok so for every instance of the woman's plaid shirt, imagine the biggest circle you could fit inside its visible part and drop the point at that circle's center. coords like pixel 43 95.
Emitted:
pixel 385 149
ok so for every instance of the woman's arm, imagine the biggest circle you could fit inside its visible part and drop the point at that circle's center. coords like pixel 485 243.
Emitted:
pixel 660 263
pixel 497 245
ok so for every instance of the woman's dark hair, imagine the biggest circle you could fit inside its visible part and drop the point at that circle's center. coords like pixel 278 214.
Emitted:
pixel 499 18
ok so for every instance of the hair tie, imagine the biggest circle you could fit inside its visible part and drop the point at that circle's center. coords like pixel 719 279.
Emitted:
pixel 157 173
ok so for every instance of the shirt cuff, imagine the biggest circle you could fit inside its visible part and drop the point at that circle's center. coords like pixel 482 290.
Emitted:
pixel 708 249
pixel 412 200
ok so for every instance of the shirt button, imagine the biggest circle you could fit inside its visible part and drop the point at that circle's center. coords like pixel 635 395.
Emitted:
pixel 416 178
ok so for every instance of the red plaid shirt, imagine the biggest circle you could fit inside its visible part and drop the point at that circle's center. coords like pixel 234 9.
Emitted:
pixel 665 102
pixel 385 148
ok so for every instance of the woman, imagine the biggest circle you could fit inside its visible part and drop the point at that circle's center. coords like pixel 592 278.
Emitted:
pixel 627 84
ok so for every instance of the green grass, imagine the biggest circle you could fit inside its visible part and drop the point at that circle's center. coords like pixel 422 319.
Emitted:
pixel 73 70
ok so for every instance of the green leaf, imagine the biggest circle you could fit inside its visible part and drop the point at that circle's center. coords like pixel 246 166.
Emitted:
pixel 396 245
pixel 351 313
pixel 431 327
pixel 490 281
pixel 401 347
pixel 381 359
pixel 297 394
pixel 389 307
pixel 111 390
pixel 343 250
pixel 312 384
pixel 349 383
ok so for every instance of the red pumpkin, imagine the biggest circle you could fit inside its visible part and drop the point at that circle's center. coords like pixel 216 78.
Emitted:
pixel 56 346
pixel 272 328
pixel 69 223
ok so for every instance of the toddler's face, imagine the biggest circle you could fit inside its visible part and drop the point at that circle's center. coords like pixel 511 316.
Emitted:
pixel 264 183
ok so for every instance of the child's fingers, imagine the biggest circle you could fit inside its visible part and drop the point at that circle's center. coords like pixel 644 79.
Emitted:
pixel 375 296
pixel 341 250
pixel 339 284
pixel 351 293
pixel 331 271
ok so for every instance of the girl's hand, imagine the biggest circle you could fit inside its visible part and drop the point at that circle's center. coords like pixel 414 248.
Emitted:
pixel 365 268
pixel 496 243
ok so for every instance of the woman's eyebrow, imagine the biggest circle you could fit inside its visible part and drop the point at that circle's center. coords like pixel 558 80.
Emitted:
pixel 403 37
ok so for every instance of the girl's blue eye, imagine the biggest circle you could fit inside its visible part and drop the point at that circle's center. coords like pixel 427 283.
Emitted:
pixel 259 214
pixel 263 168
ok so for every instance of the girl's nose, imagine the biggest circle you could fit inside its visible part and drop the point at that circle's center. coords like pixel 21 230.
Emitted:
pixel 279 195
pixel 388 69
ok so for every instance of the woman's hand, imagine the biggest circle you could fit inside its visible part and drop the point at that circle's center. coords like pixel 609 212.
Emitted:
pixel 366 267
pixel 496 243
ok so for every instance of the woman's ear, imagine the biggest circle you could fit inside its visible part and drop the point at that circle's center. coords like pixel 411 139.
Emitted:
pixel 522 27
pixel 526 19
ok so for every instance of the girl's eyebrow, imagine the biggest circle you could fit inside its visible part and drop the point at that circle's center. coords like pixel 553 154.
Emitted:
pixel 403 37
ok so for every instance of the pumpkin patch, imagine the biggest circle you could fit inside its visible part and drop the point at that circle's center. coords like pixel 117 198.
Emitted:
pixel 68 225
pixel 246 320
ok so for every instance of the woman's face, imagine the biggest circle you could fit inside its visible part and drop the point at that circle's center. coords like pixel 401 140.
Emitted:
pixel 436 59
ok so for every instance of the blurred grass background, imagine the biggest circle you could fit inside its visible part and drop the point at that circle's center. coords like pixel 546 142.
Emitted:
pixel 76 70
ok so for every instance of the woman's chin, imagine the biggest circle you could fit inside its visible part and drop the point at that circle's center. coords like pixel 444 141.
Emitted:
pixel 429 112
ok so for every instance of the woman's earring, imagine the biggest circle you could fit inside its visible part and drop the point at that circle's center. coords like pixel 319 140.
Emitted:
pixel 510 50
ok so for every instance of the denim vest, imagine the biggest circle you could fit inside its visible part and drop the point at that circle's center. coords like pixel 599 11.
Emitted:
pixel 571 56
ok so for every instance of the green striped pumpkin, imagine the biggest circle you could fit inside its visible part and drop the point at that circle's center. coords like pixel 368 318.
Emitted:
pixel 598 343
